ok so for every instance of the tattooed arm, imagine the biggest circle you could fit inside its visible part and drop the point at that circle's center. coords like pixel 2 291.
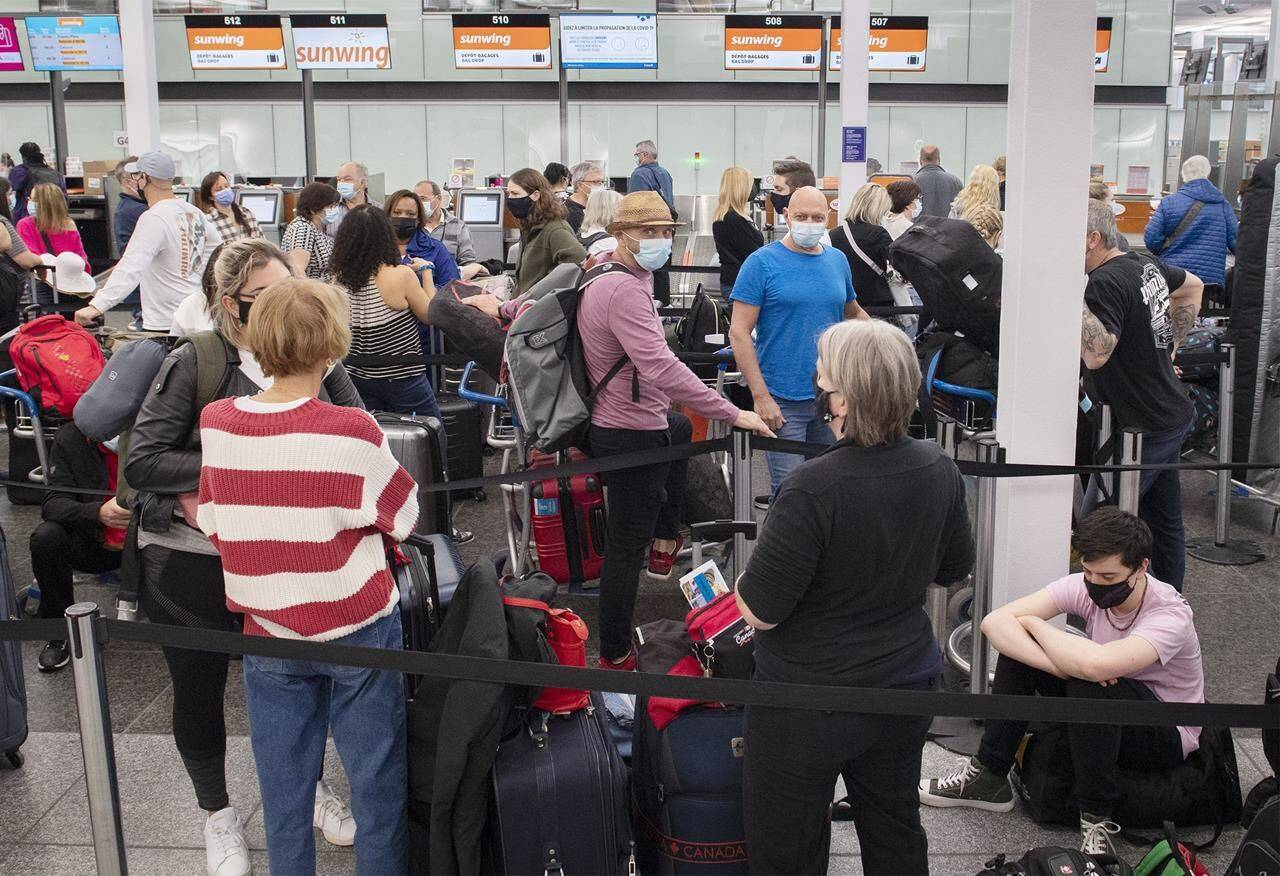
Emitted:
pixel 1096 343
pixel 1184 304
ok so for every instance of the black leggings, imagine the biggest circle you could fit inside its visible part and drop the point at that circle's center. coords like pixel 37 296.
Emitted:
pixel 186 590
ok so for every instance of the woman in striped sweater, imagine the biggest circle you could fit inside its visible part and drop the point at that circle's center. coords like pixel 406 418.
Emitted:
pixel 301 497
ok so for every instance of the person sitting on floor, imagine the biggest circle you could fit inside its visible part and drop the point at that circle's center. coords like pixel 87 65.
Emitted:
pixel 1141 645
pixel 80 533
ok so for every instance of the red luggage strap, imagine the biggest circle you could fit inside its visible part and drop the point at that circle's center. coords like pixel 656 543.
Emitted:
pixel 693 852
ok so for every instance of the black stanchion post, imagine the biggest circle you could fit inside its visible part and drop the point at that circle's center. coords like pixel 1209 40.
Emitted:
pixel 1104 435
pixel 1222 550
pixel 1130 481
pixel 95 739
pixel 740 474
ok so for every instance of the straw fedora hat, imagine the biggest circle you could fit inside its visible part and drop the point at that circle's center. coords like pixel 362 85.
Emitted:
pixel 639 209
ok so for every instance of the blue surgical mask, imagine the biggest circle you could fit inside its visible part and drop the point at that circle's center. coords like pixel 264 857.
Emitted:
pixel 13 202
pixel 807 234
pixel 112 444
pixel 225 197
pixel 653 253
pixel 346 190
pixel 331 215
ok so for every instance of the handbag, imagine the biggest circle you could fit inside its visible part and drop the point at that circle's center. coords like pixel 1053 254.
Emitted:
pixel 721 639
pixel 566 633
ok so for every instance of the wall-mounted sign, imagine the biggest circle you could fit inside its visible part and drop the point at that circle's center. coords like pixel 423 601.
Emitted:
pixel 518 41
pixel 10 51
pixel 1102 46
pixel 896 45
pixel 608 42
pixel 772 42
pixel 853 143
pixel 89 42
pixel 342 41
pixel 235 42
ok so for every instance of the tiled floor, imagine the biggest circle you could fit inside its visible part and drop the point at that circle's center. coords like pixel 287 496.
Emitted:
pixel 43 811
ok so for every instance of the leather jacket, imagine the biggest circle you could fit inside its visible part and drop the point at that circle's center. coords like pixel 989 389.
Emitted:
pixel 164 448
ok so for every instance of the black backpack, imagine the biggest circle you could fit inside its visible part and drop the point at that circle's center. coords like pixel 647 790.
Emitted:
pixel 704 330
pixel 1057 861
pixel 1269 788
pixel 1259 852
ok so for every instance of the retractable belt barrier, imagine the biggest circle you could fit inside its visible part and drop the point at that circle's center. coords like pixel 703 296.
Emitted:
pixel 831 698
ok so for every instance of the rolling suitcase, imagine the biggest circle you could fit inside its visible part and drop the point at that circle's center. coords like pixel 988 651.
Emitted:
pixel 464 426
pixel 559 800
pixel 13 688
pixel 415 443
pixel 426 582
pixel 569 523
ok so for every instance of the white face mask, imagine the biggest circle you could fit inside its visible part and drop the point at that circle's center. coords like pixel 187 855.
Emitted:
pixel 807 234
pixel 916 208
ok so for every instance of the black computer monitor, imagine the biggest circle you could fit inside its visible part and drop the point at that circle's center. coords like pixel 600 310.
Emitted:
pixel 481 207
pixel 619 184
pixel 1196 67
pixel 264 204
pixel 1254 65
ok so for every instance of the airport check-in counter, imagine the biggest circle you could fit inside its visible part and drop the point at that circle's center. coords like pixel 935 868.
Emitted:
pixel 484 211
pixel 267 206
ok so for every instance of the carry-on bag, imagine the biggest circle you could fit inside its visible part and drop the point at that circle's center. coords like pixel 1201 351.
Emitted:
pixel 559 799
pixel 415 443
pixel 1057 861
pixel 704 330
pixel 464 427
pixel 57 360
pixel 569 522
pixel 1259 852
pixel 13 686
pixel 467 330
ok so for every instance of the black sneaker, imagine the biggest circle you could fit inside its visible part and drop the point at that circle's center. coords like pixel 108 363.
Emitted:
pixel 54 656
pixel 462 536
pixel 761 503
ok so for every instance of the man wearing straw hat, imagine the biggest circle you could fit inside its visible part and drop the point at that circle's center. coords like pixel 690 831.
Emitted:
pixel 632 412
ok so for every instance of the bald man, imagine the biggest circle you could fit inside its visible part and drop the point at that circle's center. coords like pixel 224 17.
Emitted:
pixel 352 183
pixel 937 187
pixel 789 292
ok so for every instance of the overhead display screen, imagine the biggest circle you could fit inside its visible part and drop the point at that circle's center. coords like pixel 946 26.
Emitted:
pixel 772 42
pixel 520 41
pixel 608 42
pixel 341 42
pixel 10 51
pixel 1102 46
pixel 235 42
pixel 897 43
pixel 89 42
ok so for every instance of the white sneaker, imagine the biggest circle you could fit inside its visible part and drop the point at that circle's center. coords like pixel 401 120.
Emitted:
pixel 1096 834
pixel 333 817
pixel 226 852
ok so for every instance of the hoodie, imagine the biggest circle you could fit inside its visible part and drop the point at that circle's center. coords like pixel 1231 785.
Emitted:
pixel 1202 248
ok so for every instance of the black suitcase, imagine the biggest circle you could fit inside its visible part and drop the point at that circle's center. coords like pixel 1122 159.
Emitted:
pixel 559 801
pixel 415 443
pixel 688 792
pixel 13 690
pixel 426 584
pixel 464 426
pixel 956 274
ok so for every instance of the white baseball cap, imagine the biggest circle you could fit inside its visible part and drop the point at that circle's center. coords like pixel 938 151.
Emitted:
pixel 156 165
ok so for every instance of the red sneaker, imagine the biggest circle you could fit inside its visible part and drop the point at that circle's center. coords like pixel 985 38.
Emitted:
pixel 627 665
pixel 661 563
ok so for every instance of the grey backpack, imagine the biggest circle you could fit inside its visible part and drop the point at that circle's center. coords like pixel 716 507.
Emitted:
pixel 548 387
pixel 112 401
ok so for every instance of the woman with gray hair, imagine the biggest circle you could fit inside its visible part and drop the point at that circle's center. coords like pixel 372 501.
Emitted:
pixel 601 206
pixel 1195 228
pixel 865 243
pixel 836 590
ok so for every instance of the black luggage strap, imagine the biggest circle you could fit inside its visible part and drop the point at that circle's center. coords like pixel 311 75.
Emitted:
pixel 1187 219
pixel 545 774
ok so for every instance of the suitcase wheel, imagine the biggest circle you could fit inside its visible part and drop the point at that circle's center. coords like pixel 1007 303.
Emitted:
pixel 15 758
pixel 960 606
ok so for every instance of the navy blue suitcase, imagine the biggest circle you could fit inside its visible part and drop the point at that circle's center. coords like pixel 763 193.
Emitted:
pixel 688 792
pixel 13 690
pixel 559 801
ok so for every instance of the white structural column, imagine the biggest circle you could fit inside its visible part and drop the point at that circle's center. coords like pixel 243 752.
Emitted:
pixel 141 97
pixel 855 23
pixel 1273 45
pixel 1050 138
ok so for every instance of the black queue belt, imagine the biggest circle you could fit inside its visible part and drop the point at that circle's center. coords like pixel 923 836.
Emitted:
pixel 831 698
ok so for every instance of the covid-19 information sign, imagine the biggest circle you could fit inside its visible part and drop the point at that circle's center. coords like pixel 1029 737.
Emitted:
pixel 772 42
pixel 235 42
pixel 518 41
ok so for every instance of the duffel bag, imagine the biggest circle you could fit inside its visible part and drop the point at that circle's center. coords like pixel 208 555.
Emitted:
pixel 467 330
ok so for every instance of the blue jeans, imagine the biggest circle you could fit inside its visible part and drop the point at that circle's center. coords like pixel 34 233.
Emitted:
pixel 401 395
pixel 291 705
pixel 802 424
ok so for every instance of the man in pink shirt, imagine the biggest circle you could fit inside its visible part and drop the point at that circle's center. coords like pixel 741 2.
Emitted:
pixel 1141 645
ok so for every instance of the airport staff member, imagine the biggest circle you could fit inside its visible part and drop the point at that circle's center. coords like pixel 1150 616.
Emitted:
pixel 449 229
pixel 167 253
pixel 352 183
pixel 650 176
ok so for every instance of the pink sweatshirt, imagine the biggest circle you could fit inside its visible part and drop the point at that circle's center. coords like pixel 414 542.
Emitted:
pixel 63 241
pixel 616 317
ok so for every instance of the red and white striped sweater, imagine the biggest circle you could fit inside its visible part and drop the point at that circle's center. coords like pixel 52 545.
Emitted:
pixel 297 502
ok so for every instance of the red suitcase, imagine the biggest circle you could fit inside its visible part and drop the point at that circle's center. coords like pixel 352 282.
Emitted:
pixel 569 522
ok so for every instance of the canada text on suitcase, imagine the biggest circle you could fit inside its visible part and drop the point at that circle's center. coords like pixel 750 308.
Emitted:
pixel 569 523
pixel 415 443
pixel 559 802
pixel 13 687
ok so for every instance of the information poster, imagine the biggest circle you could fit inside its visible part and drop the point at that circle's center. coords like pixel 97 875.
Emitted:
pixel 462 173
pixel 520 41
pixel 608 42
pixel 341 42
pixel 235 42
pixel 1102 46
pixel 896 45
pixel 772 42
pixel 1139 181
pixel 89 42
pixel 10 51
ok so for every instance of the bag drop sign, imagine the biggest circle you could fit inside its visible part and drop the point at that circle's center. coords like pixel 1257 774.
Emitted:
pixel 235 42
pixel 502 42
pixel 10 51
pixel 772 42
pixel 341 42
pixel 1102 46
pixel 897 43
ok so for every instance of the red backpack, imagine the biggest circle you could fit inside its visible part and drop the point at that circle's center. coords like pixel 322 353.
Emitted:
pixel 57 357
pixel 566 633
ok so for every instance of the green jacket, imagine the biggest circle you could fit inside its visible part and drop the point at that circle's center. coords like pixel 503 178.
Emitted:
pixel 544 247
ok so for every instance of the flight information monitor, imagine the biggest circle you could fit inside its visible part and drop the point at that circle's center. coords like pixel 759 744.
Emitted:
pixel 87 42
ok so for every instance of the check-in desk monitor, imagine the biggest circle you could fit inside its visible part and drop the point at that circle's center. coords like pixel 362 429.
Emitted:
pixel 482 210
pixel 267 206
pixel 186 193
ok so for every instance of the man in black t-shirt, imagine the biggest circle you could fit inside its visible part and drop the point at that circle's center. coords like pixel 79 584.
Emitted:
pixel 1137 312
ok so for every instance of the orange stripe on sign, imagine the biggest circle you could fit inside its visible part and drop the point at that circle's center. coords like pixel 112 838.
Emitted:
pixel 1102 42
pixel 231 39
pixel 491 38
pixel 913 40
pixel 786 39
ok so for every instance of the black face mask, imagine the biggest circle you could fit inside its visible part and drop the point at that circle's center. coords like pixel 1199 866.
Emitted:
pixel 520 207
pixel 405 228
pixel 243 306
pixel 779 202
pixel 1109 595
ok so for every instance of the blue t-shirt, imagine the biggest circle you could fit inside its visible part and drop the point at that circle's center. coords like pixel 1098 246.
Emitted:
pixel 423 246
pixel 799 295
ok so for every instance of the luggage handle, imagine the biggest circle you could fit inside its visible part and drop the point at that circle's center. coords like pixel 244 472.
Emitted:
pixel 478 397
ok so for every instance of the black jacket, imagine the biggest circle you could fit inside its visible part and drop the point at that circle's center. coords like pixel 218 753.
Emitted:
pixel 736 237
pixel 75 461
pixel 164 448
pixel 874 240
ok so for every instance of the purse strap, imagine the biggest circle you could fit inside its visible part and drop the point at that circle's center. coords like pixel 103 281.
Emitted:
pixel 862 255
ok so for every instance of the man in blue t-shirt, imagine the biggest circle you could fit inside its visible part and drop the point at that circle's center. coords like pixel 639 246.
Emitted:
pixel 788 293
